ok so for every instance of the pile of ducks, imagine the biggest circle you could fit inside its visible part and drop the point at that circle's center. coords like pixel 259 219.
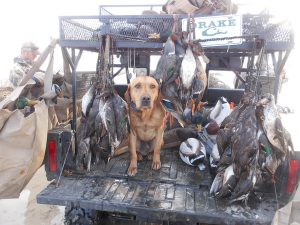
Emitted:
pixel 103 127
pixel 181 73
pixel 250 145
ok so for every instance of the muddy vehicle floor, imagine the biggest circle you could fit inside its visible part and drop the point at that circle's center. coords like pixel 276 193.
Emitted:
pixel 176 192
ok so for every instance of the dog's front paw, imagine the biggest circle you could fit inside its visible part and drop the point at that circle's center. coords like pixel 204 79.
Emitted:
pixel 132 170
pixel 156 164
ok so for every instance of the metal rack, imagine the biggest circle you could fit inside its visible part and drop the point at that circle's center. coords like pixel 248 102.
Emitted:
pixel 130 32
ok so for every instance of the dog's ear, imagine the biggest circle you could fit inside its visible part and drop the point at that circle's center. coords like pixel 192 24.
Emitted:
pixel 160 95
pixel 127 96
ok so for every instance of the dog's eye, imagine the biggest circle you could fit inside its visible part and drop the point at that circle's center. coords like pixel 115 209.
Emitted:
pixel 137 86
pixel 152 86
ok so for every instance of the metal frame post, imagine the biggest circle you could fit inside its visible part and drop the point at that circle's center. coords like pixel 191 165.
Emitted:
pixel 73 61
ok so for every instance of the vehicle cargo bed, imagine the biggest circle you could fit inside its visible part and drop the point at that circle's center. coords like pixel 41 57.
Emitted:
pixel 177 192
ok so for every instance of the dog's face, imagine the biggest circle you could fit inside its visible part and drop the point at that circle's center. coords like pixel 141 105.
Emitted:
pixel 142 93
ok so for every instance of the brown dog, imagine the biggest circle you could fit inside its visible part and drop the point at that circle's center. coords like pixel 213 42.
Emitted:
pixel 146 115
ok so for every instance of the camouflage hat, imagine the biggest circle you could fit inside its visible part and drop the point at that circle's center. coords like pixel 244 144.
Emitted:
pixel 30 46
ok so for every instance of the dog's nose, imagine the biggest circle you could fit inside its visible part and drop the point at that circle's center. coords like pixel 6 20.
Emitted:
pixel 146 100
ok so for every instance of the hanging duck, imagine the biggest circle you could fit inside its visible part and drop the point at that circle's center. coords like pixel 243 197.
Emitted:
pixel 254 157
pixel 167 74
pixel 90 120
pixel 245 151
pixel 187 72
pixel 200 81
pixel 83 157
pixel 235 152
pixel 87 100
pixel 270 126
pixel 246 182
pixel 109 121
pixel 224 162
pixel 166 65
pixel 229 183
pixel 277 135
pixel 121 117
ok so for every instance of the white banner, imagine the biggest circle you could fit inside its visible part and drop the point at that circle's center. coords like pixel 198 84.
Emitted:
pixel 218 27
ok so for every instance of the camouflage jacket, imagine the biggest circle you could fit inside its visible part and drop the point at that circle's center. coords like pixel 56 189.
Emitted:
pixel 18 71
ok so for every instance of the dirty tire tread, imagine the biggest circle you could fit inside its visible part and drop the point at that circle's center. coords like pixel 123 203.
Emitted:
pixel 80 216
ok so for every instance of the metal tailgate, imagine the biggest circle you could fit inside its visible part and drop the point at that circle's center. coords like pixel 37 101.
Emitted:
pixel 177 192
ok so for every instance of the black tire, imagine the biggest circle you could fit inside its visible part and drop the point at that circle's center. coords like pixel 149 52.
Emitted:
pixel 79 216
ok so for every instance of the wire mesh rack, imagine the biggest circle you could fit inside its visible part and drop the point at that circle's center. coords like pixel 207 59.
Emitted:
pixel 138 27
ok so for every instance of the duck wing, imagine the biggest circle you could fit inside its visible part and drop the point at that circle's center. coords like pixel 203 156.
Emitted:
pixel 121 117
pixel 200 82
pixel 87 102
pixel 229 183
pixel 165 68
pixel 94 110
pixel 108 118
pixel 244 185
pixel 217 183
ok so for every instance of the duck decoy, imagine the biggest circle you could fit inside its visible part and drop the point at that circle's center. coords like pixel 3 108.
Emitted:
pixel 192 152
pixel 220 111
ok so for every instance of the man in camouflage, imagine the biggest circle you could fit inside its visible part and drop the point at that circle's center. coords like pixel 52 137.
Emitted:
pixel 23 63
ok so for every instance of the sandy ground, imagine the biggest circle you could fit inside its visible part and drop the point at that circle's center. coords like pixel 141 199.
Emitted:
pixel 26 211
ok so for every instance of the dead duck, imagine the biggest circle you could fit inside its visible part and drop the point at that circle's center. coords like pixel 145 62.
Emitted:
pixel 108 118
pixel 200 82
pixel 93 111
pixel 224 162
pixel 244 140
pixel 174 108
pixel 198 88
pixel 230 120
pixel 245 152
pixel 244 186
pixel 87 100
pixel 169 47
pixel 272 125
pixel 178 42
pixel 269 158
pixel 223 139
pixel 83 157
pixel 217 183
pixel 187 72
pixel 23 101
pixel 171 101
pixel 229 183
pixel 99 126
pixel 166 65
pixel 121 117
